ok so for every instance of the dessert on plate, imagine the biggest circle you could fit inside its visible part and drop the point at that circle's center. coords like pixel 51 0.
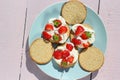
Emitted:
pixel 82 35
pixel 56 30
pixel 66 55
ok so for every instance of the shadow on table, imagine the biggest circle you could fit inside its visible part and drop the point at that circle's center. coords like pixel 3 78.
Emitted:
pixel 32 68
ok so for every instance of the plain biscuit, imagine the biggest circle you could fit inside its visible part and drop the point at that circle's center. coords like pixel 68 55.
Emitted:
pixel 74 12
pixel 38 51
pixel 91 59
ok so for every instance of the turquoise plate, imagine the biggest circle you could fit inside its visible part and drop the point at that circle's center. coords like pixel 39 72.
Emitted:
pixel 51 69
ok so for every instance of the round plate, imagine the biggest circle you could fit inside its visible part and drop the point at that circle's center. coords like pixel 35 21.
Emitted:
pixel 51 68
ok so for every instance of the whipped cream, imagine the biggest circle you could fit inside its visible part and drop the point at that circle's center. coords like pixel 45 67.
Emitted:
pixel 60 18
pixel 73 53
pixel 63 36
pixel 90 40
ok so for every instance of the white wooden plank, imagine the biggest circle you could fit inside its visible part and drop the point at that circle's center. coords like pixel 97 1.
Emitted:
pixel 110 13
pixel 34 7
pixel 11 33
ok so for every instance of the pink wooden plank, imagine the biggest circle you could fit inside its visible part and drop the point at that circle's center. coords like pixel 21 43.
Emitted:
pixel 110 13
pixel 91 4
pixel 11 33
pixel 34 7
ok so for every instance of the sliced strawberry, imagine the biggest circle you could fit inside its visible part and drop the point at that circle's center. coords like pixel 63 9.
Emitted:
pixel 86 35
pixel 48 27
pixel 60 38
pixel 46 35
pixel 70 59
pixel 79 30
pixel 76 41
pixel 65 54
pixel 56 37
pixel 69 47
pixel 62 29
pixel 57 23
pixel 57 54
pixel 86 45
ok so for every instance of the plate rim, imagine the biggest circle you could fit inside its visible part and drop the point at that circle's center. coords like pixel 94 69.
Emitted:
pixel 42 11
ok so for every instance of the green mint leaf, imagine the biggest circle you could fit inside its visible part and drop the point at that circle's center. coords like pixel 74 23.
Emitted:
pixel 55 38
pixel 88 34
pixel 56 23
pixel 63 63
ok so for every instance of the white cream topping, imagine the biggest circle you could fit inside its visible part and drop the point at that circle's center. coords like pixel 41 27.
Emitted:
pixel 73 53
pixel 60 18
pixel 51 33
pixel 90 40
pixel 63 36
pixel 74 27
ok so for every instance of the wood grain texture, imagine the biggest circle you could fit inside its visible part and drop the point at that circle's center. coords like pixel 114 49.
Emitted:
pixel 91 4
pixel 109 12
pixel 11 33
pixel 29 69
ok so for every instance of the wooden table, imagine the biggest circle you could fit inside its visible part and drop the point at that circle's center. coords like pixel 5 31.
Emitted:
pixel 16 17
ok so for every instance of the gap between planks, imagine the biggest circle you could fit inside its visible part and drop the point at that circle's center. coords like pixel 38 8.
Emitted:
pixel 23 42
pixel 98 12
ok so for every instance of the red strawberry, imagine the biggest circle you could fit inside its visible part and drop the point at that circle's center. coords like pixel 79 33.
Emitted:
pixel 86 45
pixel 70 59
pixel 48 27
pixel 79 30
pixel 84 36
pixel 57 54
pixel 65 54
pixel 46 35
pixel 62 29
pixel 57 23
pixel 69 47
pixel 76 41
pixel 64 60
